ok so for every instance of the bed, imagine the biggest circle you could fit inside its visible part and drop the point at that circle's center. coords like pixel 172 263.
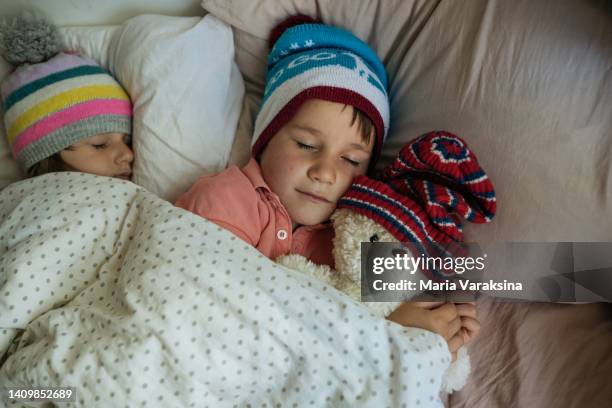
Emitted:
pixel 526 84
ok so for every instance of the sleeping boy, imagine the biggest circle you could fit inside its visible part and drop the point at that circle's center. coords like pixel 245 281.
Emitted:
pixel 323 121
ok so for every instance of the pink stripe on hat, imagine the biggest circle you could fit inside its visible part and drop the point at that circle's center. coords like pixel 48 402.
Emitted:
pixel 70 115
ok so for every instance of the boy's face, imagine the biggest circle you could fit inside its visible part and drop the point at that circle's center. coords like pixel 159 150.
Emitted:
pixel 107 154
pixel 312 160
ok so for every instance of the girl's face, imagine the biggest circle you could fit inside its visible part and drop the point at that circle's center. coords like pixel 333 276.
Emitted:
pixel 107 154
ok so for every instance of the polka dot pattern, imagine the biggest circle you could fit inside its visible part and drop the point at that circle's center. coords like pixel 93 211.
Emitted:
pixel 109 289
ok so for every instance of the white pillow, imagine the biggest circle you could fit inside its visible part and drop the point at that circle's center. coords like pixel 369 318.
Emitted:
pixel 186 89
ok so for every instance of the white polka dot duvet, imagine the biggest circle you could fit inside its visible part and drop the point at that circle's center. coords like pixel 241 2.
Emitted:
pixel 108 289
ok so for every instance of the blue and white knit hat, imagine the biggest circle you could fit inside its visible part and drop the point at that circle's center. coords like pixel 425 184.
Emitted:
pixel 311 60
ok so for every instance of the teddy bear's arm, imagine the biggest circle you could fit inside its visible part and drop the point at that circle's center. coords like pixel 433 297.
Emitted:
pixel 300 263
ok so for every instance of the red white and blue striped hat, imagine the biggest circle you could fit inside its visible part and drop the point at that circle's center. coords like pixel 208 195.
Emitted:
pixel 312 60
pixel 434 179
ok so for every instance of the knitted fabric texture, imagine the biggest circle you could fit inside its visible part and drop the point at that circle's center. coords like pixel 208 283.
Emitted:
pixel 435 179
pixel 319 61
pixel 53 104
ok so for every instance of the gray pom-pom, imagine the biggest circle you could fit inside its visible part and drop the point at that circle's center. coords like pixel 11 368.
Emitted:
pixel 28 38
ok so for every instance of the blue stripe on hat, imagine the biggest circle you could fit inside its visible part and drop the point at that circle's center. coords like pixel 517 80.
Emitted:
pixel 470 215
pixel 443 221
pixel 298 64
pixel 471 177
pixel 484 194
pixel 309 46
pixel 305 36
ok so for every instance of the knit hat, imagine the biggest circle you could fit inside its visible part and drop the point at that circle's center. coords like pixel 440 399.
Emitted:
pixel 53 100
pixel 312 60
pixel 434 179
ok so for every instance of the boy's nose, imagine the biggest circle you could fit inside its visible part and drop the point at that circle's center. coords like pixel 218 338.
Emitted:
pixel 323 171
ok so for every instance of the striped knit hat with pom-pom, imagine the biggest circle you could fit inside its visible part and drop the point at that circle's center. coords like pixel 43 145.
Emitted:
pixel 52 100
pixel 312 60
pixel 434 179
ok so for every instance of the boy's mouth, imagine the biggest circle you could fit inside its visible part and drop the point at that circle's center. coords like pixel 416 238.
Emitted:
pixel 313 197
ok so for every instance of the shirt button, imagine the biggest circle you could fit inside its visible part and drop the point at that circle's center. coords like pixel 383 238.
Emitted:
pixel 281 234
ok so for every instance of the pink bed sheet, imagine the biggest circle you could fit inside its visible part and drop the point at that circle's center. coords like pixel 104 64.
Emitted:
pixel 540 355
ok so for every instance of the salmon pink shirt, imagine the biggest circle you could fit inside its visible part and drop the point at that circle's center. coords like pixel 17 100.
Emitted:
pixel 240 201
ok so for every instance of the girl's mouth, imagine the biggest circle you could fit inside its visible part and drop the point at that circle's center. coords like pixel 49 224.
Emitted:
pixel 125 176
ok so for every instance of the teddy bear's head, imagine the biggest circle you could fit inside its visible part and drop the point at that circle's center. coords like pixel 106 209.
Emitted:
pixel 419 199
pixel 351 229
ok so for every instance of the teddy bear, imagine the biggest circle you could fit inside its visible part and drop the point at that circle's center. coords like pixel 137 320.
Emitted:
pixel 417 199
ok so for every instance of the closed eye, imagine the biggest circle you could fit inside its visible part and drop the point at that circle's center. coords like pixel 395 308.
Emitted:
pixel 352 162
pixel 99 146
pixel 305 146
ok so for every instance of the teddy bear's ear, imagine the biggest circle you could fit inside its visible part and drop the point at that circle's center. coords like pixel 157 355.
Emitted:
pixel 440 171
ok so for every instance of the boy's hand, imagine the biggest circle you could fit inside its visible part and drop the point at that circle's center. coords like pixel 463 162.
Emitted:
pixel 438 317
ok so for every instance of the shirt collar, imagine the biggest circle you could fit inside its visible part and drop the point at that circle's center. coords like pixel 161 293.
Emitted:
pixel 253 172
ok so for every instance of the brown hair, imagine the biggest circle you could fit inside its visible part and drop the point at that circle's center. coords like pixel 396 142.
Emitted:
pixel 49 165
pixel 364 124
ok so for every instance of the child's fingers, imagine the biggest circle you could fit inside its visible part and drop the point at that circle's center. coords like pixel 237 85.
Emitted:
pixel 470 328
pixel 466 309
pixel 452 329
pixel 427 305
pixel 447 312
pixel 469 323
pixel 455 343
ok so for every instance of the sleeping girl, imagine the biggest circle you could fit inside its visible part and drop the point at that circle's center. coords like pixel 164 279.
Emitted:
pixel 62 112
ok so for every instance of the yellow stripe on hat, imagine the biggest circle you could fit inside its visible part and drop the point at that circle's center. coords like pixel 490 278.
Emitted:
pixel 62 101
pixel 52 90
